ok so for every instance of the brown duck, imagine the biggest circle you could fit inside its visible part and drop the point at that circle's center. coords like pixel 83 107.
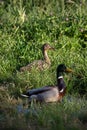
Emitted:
pixel 40 64
pixel 50 93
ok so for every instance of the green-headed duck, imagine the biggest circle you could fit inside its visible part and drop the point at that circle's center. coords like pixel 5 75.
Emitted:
pixel 50 93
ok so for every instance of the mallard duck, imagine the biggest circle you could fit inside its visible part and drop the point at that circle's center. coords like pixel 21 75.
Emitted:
pixel 40 64
pixel 50 93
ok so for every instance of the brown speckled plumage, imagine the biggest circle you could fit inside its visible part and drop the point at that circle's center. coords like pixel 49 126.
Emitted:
pixel 40 64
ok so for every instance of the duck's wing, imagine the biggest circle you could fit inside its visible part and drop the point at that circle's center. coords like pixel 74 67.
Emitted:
pixel 38 90
pixel 35 64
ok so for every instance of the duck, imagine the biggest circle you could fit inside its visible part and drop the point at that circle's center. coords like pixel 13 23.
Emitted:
pixel 40 64
pixel 50 93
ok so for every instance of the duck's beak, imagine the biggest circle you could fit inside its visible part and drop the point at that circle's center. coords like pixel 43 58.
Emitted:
pixel 52 48
pixel 68 70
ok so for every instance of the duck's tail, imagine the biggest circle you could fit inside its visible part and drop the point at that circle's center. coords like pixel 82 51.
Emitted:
pixel 23 95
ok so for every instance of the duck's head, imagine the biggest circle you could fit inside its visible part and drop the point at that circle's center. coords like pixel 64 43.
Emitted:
pixel 61 69
pixel 46 46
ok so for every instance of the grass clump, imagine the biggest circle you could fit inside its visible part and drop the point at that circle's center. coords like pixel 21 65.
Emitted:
pixel 67 115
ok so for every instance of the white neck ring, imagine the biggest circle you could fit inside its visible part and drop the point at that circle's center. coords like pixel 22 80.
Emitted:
pixel 60 77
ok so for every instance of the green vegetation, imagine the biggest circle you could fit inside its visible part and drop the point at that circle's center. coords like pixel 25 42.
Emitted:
pixel 25 25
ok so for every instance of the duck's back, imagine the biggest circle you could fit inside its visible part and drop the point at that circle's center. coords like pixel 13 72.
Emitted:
pixel 47 96
pixel 37 64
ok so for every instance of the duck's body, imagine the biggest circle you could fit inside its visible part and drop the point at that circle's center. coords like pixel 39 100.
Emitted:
pixel 45 94
pixel 50 93
pixel 37 64
pixel 40 64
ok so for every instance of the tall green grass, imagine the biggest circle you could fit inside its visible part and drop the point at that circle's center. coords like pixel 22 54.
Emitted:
pixel 24 27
